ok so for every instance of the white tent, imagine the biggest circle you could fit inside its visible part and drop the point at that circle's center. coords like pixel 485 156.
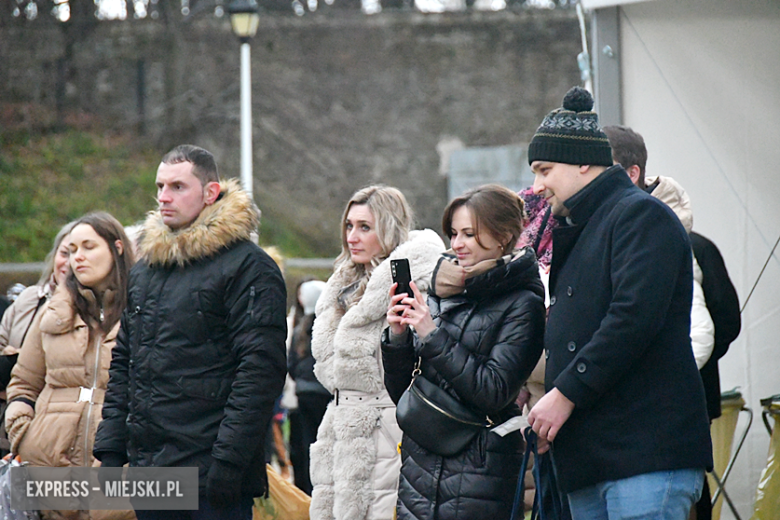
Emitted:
pixel 700 80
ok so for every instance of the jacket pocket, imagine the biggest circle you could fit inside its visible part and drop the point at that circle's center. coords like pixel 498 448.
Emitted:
pixel 52 437
pixel 210 389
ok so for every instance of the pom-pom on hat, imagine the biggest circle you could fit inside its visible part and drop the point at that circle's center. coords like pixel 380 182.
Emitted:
pixel 309 293
pixel 571 134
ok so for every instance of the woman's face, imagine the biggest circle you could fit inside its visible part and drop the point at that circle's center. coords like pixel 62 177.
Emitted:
pixel 464 242
pixel 362 240
pixel 61 260
pixel 90 257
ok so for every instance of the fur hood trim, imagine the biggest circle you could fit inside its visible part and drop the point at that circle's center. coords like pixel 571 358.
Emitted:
pixel 346 346
pixel 233 217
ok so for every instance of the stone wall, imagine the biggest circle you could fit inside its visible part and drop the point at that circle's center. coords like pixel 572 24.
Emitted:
pixel 339 101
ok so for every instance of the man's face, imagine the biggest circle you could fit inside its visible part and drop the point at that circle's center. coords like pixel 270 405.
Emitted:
pixel 557 182
pixel 180 195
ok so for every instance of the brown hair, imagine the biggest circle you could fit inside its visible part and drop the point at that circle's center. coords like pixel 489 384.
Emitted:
pixel 498 209
pixel 628 149
pixel 110 230
pixel 204 166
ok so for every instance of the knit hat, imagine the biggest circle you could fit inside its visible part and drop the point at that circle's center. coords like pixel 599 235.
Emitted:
pixel 571 134
pixel 309 293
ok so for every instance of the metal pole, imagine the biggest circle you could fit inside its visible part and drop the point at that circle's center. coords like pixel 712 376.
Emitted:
pixel 246 120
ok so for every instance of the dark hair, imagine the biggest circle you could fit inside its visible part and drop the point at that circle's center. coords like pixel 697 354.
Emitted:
pixel 110 230
pixel 496 208
pixel 204 166
pixel 628 149
pixel 301 339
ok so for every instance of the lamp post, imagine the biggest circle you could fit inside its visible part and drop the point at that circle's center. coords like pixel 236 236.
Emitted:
pixel 244 19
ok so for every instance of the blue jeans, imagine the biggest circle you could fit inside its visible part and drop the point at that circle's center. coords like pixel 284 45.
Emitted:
pixel 240 511
pixel 663 495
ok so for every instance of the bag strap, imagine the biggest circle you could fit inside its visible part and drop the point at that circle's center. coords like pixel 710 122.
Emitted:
pixel 551 483
pixel 41 301
pixel 517 505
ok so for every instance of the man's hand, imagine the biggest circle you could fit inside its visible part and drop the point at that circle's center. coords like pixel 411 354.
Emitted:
pixel 110 469
pixel 223 485
pixel 548 415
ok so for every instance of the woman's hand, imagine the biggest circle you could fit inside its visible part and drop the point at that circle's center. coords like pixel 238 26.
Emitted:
pixel 395 310
pixel 417 314
pixel 18 417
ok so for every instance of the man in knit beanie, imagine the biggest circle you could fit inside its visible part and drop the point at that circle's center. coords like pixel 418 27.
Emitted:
pixel 624 411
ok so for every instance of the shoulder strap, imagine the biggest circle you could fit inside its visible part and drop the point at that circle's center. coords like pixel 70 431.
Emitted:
pixel 41 301
pixel 517 506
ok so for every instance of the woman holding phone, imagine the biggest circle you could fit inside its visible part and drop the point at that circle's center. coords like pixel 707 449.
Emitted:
pixel 354 462
pixel 477 338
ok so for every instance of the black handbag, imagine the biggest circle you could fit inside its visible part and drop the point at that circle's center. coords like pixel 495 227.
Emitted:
pixel 548 502
pixel 436 420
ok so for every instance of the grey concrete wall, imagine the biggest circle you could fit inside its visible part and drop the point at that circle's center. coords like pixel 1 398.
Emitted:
pixel 339 101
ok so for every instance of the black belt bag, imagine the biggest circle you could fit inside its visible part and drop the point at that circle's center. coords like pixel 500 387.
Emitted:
pixel 436 420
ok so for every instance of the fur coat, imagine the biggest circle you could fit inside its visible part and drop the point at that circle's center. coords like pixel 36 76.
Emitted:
pixel 355 463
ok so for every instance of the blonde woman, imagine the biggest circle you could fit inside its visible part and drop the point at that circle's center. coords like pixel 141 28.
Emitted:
pixel 354 462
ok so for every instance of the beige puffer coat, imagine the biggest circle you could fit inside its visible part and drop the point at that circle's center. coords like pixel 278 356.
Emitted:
pixel 56 369
pixel 18 317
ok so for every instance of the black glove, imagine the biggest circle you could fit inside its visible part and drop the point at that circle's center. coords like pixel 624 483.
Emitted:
pixel 110 468
pixel 223 484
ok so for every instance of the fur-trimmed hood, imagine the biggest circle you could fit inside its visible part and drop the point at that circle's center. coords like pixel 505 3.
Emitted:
pixel 346 346
pixel 231 218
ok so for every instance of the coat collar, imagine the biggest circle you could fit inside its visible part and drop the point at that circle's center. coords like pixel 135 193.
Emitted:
pixel 60 316
pixel 232 218
pixel 490 278
pixel 583 204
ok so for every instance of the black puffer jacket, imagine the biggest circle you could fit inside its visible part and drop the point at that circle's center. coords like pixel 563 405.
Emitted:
pixel 487 343
pixel 200 356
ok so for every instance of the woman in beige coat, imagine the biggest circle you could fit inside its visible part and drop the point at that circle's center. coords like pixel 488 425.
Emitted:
pixel 57 386
pixel 19 316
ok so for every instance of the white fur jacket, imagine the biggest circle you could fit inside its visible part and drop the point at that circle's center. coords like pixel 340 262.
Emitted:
pixel 355 463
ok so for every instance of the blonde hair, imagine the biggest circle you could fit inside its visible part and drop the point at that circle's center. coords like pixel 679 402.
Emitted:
pixel 393 221
pixel 48 263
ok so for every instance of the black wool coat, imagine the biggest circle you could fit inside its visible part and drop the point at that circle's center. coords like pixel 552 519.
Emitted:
pixel 200 355
pixel 487 342
pixel 618 338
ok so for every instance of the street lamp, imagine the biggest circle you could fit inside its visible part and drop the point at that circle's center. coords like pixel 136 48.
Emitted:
pixel 244 19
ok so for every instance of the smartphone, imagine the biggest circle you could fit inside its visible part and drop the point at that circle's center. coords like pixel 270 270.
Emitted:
pixel 401 275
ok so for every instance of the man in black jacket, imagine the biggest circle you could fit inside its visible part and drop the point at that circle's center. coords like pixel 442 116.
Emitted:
pixel 200 356
pixel 624 410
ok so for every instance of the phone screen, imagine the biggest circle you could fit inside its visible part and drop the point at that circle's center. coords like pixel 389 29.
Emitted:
pixel 401 275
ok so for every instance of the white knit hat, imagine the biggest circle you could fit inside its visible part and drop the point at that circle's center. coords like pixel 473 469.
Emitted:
pixel 309 293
